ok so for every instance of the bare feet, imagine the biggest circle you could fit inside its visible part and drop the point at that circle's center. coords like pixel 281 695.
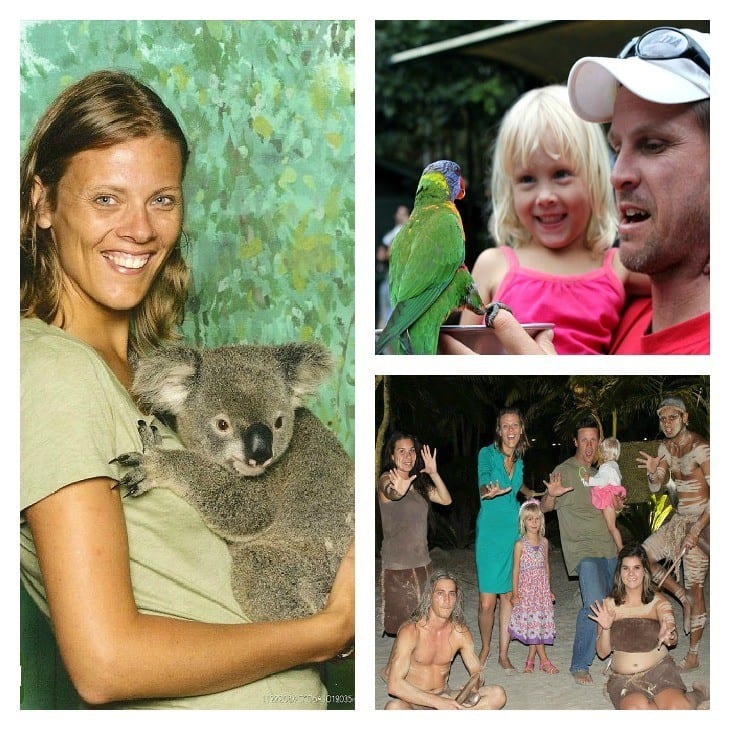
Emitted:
pixel 506 665
pixel 483 656
pixel 583 676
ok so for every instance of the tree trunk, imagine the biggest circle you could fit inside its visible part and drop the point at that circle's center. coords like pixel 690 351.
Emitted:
pixel 383 380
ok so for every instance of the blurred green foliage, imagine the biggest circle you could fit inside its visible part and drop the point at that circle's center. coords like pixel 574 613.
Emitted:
pixel 446 106
pixel 642 519
pixel 268 109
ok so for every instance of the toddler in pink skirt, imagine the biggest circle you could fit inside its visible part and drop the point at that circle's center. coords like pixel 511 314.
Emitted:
pixel 606 484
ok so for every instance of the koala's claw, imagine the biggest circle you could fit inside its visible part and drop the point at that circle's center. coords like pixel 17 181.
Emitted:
pixel 132 482
pixel 131 458
pixel 133 479
pixel 491 312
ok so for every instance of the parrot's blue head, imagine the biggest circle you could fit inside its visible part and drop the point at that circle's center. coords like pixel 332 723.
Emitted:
pixel 452 173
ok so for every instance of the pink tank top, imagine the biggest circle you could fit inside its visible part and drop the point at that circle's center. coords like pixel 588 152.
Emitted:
pixel 585 308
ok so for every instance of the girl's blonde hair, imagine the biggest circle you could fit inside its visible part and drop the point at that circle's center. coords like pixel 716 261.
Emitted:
pixel 543 118
pixel 610 448
pixel 530 507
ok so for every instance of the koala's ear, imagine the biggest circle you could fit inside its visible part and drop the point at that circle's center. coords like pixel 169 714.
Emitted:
pixel 304 365
pixel 163 380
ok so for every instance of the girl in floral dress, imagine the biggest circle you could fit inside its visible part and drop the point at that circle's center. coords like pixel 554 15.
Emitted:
pixel 532 621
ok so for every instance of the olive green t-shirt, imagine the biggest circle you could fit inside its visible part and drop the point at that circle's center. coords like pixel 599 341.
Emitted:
pixel 75 418
pixel 583 529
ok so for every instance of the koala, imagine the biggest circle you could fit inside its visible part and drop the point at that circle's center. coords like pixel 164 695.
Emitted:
pixel 265 474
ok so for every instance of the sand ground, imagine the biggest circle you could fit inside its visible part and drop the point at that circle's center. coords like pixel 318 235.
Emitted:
pixel 538 690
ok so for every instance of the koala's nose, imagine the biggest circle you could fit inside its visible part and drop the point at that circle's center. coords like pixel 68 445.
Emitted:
pixel 257 441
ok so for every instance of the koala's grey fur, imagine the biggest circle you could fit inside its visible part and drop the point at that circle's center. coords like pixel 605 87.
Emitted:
pixel 265 474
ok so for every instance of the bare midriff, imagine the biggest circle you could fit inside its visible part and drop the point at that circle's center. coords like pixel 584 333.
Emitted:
pixel 631 662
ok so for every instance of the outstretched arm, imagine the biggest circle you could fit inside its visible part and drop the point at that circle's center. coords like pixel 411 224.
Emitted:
pixel 113 652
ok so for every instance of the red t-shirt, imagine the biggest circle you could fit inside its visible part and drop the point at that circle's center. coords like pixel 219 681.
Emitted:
pixel 691 337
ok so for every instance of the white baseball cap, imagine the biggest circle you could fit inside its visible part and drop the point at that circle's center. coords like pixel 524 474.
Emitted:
pixel 664 65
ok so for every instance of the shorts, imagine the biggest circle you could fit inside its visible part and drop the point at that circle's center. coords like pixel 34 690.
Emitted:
pixel 650 683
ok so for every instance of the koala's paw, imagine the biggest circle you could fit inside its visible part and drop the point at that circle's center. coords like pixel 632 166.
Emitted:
pixel 134 480
pixel 149 434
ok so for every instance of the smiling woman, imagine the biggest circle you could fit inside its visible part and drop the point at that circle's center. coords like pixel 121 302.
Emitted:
pixel 636 625
pixel 138 591
pixel 500 482
pixel 408 482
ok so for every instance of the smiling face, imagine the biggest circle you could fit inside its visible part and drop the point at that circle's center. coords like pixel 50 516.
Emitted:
pixel 632 573
pixel 510 430
pixel 662 181
pixel 117 216
pixel 404 455
pixel 533 522
pixel 551 200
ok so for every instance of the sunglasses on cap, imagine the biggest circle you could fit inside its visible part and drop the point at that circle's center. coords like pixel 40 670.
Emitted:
pixel 661 44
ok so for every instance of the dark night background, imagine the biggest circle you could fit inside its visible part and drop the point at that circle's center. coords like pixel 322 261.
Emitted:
pixel 457 416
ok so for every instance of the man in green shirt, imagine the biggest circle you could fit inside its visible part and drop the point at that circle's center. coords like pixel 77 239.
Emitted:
pixel 588 548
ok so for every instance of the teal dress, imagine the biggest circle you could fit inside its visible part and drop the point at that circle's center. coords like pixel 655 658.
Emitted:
pixel 497 528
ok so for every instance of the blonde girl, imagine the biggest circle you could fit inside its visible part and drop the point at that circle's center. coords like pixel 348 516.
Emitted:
pixel 606 484
pixel 532 621
pixel 554 222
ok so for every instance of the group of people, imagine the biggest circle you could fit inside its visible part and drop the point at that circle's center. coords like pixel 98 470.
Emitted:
pixel 513 568
pixel 612 246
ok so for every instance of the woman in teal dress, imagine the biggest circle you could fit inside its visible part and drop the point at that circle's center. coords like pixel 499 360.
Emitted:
pixel 500 480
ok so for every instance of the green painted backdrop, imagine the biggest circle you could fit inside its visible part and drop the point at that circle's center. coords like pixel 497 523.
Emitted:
pixel 268 109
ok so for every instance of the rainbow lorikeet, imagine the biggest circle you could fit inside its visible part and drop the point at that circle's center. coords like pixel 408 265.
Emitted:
pixel 428 279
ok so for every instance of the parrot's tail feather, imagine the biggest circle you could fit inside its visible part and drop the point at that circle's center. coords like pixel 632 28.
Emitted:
pixel 386 337
pixel 397 324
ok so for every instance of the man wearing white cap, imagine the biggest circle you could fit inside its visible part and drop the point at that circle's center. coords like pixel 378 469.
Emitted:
pixel 683 461
pixel 656 96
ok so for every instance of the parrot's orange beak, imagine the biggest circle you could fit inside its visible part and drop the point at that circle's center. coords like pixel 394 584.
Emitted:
pixel 462 189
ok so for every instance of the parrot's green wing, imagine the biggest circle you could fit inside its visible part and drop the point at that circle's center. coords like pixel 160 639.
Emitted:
pixel 424 257
pixel 427 250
